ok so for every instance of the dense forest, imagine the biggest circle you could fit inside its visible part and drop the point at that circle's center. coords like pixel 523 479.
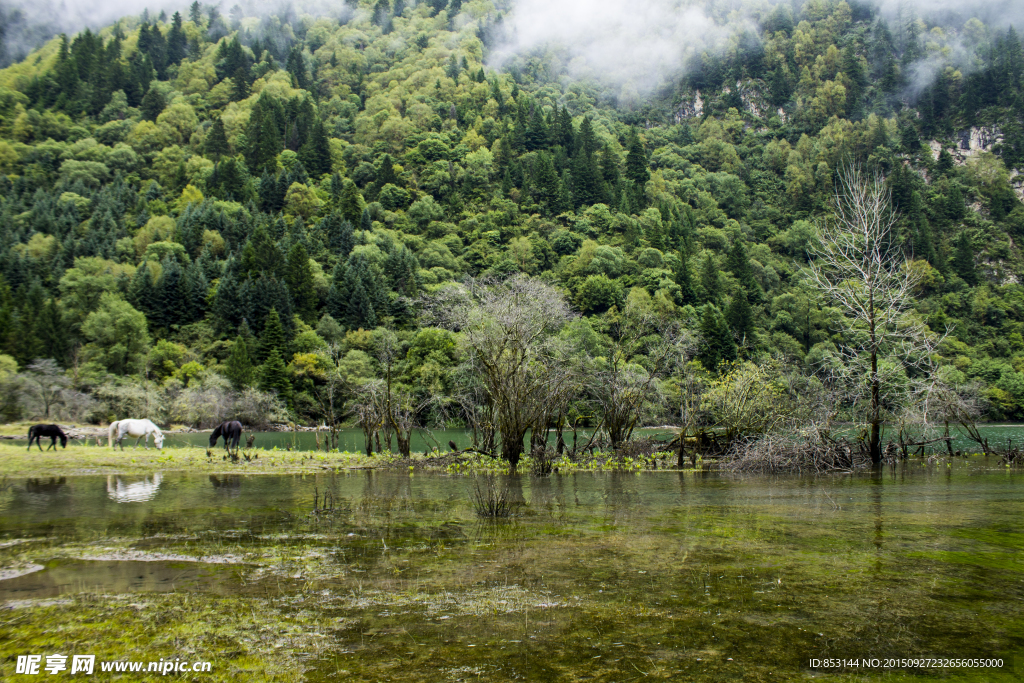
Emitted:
pixel 207 214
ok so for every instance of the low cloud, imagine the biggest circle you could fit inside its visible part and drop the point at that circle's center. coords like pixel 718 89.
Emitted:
pixel 628 43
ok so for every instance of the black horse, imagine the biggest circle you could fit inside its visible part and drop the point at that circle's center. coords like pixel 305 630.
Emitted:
pixel 52 431
pixel 231 431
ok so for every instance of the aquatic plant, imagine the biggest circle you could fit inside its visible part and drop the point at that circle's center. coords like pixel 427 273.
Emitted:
pixel 491 501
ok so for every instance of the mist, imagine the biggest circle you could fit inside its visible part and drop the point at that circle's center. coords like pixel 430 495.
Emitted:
pixel 630 46
pixel 624 43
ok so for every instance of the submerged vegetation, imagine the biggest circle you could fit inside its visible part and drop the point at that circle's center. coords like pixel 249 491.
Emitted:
pixel 366 218
pixel 680 575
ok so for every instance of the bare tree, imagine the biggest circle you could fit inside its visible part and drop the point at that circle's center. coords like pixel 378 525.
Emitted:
pixel 860 268
pixel 46 383
pixel 370 412
pixel 626 385
pixel 509 330
pixel 692 382
pixel 332 392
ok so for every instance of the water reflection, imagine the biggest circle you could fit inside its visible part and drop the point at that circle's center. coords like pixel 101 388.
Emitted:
pixel 227 484
pixel 68 577
pixel 48 486
pixel 135 492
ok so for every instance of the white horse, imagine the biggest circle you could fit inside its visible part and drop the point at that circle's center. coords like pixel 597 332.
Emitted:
pixel 139 428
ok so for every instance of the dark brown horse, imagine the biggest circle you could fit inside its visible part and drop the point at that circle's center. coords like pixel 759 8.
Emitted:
pixel 52 431
pixel 231 431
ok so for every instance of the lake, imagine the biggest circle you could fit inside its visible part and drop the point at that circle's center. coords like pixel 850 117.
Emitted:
pixel 601 576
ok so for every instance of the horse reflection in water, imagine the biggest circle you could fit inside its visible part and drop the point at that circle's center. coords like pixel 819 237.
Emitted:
pixel 229 484
pixel 53 485
pixel 135 492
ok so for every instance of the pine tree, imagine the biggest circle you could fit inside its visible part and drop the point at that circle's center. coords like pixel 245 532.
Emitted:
pixel 195 287
pixel 945 163
pixel 168 299
pixel 27 345
pixel 710 279
pixel 360 312
pixel 636 161
pixel 299 278
pixel 536 135
pixel 273 338
pixel 240 84
pixel 273 377
pixel 738 264
pixel 586 140
pixel 740 316
pixel 152 104
pixel 954 206
pixel 216 144
pixel 177 42
pixel 717 345
pixel 315 154
pixel 239 368
pixel 588 186
pixel 685 280
pixel 545 183
pixel 963 259
pixel 338 294
pixel 351 202
pixel 922 244
pixel 564 133
pixel 52 333
pixel 262 136
pixel 141 291
pixel 386 172
pixel 261 255
pixel 296 66
pixel 340 235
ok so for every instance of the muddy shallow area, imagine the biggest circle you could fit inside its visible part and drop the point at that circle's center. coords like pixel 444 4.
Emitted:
pixel 600 576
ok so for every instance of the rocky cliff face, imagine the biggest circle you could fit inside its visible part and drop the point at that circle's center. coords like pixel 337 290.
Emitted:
pixel 751 92
pixel 972 142
pixel 969 143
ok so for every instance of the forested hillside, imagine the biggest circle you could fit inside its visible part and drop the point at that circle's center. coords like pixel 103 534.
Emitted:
pixel 202 211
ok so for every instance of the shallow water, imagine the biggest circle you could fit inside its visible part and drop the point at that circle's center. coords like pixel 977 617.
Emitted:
pixel 602 576
pixel 58 578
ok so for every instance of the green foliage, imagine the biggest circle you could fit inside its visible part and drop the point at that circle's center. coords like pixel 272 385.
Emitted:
pixel 273 377
pixel 239 368
pixel 272 339
pixel 294 172
pixel 117 337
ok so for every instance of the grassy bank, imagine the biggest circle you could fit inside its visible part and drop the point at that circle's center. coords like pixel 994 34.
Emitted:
pixel 17 461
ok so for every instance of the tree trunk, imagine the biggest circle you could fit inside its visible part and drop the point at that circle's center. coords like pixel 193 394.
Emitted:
pixel 368 438
pixel 875 442
pixel 681 460
pixel 559 441
pixel 405 444
pixel 512 448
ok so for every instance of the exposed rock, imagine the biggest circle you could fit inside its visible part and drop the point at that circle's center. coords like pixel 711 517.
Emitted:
pixel 751 92
pixel 752 95
pixel 690 109
pixel 969 143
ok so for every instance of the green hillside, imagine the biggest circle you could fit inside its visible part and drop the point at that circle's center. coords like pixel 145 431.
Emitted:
pixel 200 210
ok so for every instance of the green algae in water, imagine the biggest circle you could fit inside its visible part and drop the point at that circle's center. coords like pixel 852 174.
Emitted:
pixel 602 577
